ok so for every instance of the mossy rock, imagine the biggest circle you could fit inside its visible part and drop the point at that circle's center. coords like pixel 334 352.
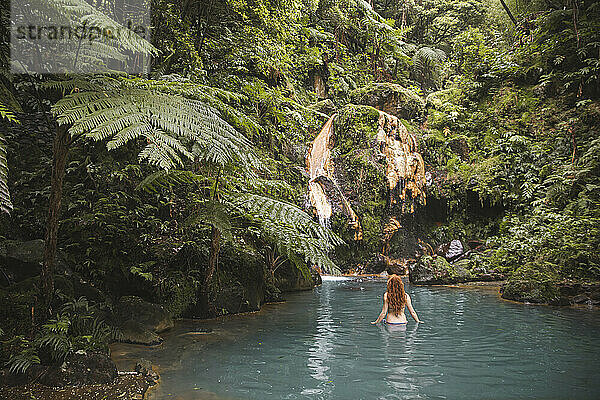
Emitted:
pixel 533 283
pixel 23 260
pixel 324 106
pixel 360 172
pixel 391 98
pixel 62 284
pixel 288 278
pixel 152 317
pixel 438 271
pixel 355 127
pixel 237 286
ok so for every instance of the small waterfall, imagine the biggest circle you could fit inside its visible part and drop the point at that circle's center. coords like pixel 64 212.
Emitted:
pixel 319 165
pixel 326 222
pixel 404 173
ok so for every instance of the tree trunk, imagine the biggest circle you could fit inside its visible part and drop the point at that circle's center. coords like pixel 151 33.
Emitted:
pixel 213 260
pixel 60 150
pixel 215 243
pixel 512 18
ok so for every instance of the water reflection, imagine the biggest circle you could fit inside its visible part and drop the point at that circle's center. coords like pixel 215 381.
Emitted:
pixel 320 353
pixel 398 343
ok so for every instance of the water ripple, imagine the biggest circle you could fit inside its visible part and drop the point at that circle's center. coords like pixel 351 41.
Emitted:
pixel 320 345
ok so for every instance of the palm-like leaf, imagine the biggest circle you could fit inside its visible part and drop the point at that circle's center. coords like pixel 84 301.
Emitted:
pixel 122 110
pixel 213 213
pixel 292 230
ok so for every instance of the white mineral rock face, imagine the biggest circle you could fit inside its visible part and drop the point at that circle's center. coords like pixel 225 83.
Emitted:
pixel 405 172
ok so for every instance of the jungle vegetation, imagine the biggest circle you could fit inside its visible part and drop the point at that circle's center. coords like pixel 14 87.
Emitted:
pixel 121 174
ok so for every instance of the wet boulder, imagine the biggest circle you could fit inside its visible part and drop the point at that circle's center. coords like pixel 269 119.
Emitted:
pixel 140 321
pixel 136 333
pixel 23 260
pixel 289 278
pixel 233 298
pixel 438 271
pixel 152 316
pixel 390 98
pixel 273 294
pixel 451 250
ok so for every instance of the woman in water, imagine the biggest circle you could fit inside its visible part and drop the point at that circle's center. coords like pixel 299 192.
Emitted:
pixel 394 301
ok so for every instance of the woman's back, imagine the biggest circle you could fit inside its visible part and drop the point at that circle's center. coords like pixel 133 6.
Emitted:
pixel 395 300
pixel 396 316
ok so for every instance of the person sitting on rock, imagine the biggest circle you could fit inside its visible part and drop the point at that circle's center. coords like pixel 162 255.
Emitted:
pixel 394 302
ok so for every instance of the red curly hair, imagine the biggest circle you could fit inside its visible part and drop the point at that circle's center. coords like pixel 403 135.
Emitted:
pixel 396 297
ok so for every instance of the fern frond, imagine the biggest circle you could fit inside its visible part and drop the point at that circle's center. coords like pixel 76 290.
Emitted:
pixel 426 62
pixel 165 179
pixel 7 114
pixel 87 55
pixel 215 214
pixel 124 109
pixel 21 362
pixel 161 151
pixel 292 230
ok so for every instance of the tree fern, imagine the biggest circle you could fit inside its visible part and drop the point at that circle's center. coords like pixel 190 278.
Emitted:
pixel 215 214
pixel 292 230
pixel 167 179
pixel 121 110
pixel 218 98
pixel 426 63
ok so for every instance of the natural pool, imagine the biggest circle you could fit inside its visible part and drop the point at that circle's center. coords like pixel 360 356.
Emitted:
pixel 320 345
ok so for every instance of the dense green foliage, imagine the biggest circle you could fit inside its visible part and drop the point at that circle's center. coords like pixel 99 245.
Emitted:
pixel 199 169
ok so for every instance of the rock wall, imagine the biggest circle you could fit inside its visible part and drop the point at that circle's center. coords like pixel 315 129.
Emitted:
pixel 366 175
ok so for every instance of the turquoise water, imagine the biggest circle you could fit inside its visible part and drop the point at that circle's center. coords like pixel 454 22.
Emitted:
pixel 320 345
